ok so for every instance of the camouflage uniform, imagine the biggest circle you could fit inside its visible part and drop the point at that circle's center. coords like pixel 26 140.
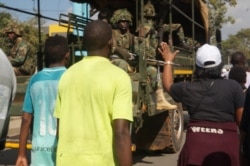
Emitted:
pixel 175 27
pixel 20 54
pixel 150 35
pixel 126 45
pixel 123 43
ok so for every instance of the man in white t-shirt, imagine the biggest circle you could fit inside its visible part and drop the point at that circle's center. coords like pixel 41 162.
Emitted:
pixel 7 94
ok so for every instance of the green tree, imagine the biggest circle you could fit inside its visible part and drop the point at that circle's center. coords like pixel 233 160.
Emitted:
pixel 217 14
pixel 237 42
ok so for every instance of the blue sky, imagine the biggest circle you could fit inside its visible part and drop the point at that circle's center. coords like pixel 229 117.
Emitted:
pixel 52 8
pixel 49 8
pixel 241 15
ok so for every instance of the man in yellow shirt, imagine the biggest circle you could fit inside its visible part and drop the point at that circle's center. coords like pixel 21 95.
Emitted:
pixel 94 106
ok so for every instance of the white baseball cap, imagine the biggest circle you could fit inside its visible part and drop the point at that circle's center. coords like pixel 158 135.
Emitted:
pixel 208 54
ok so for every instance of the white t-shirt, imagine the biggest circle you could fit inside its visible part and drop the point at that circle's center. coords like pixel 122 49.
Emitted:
pixel 7 89
pixel 247 79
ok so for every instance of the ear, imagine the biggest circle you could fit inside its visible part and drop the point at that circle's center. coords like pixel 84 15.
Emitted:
pixel 67 58
pixel 110 46
pixel 110 42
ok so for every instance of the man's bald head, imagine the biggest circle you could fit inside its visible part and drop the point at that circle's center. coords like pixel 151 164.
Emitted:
pixel 97 35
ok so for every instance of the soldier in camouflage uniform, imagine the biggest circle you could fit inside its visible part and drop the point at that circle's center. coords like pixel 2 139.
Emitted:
pixel 125 44
pixel 20 55
pixel 148 32
pixel 174 27
pixel 123 40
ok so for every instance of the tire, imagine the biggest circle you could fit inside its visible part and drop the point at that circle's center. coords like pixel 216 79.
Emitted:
pixel 161 132
pixel 175 127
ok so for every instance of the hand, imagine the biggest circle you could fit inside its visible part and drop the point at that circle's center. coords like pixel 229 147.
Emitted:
pixel 132 56
pixel 166 53
pixel 21 161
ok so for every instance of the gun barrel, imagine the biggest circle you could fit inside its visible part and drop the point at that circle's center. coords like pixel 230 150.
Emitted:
pixel 161 63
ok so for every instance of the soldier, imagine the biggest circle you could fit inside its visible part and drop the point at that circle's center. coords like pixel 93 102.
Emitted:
pixel 150 34
pixel 175 27
pixel 163 27
pixel 123 40
pixel 125 43
pixel 149 31
pixel 20 54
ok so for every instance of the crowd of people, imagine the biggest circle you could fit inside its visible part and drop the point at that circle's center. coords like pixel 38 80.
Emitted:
pixel 76 123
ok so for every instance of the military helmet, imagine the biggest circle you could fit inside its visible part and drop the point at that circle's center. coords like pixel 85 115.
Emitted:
pixel 13 28
pixel 121 15
pixel 149 10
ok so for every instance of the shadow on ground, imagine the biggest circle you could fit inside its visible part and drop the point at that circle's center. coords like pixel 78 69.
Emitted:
pixel 140 155
pixel 8 157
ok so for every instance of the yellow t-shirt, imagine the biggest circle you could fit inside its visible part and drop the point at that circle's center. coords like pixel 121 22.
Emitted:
pixel 92 93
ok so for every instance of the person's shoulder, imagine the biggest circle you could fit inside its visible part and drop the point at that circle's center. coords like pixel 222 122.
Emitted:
pixel 248 73
pixel 229 83
pixel 115 32
pixel 37 74
pixel 41 73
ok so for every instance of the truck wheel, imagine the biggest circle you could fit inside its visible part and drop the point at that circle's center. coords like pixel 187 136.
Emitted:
pixel 175 125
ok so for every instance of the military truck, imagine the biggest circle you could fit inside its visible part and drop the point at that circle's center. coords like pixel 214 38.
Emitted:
pixel 152 130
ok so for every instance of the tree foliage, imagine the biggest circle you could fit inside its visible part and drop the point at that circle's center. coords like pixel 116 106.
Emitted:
pixel 238 42
pixel 217 14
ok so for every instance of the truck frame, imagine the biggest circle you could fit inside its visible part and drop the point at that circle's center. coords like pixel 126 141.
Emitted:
pixel 152 130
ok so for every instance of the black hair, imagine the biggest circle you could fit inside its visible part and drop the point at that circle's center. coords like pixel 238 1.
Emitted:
pixel 210 73
pixel 238 73
pixel 238 58
pixel 96 35
pixel 104 14
pixel 55 49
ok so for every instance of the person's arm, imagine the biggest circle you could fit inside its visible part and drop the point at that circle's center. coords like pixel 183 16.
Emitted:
pixel 57 128
pixel 121 52
pixel 21 55
pixel 24 133
pixel 238 115
pixel 168 56
pixel 122 142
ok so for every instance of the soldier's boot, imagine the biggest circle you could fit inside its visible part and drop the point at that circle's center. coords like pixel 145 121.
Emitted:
pixel 161 102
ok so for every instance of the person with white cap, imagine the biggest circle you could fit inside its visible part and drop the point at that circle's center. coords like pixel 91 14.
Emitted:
pixel 215 106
